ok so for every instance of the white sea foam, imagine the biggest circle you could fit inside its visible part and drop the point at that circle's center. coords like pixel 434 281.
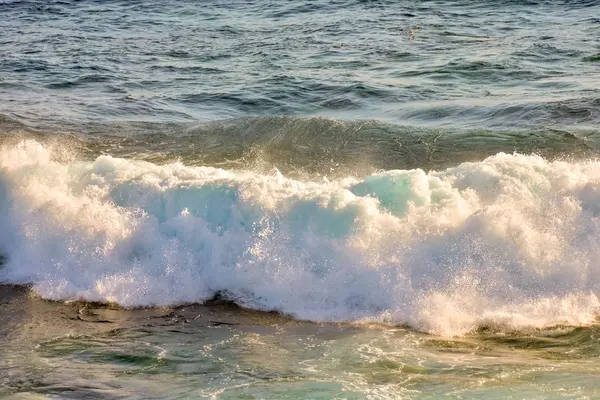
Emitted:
pixel 512 240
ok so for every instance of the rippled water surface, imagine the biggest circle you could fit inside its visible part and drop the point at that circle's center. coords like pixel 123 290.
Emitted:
pixel 484 63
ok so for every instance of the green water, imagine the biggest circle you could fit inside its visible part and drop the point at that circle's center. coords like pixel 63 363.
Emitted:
pixel 53 350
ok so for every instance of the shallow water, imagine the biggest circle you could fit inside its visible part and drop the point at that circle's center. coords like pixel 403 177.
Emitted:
pixel 219 351
pixel 403 196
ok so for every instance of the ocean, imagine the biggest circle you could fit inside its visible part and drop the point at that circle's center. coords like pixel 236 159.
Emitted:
pixel 343 199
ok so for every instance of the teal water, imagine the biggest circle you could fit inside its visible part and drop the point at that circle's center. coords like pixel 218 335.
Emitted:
pixel 300 200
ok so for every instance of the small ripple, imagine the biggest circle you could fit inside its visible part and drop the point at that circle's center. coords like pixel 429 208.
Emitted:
pixel 82 81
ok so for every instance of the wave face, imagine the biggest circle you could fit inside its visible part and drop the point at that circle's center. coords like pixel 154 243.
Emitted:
pixel 303 147
pixel 510 241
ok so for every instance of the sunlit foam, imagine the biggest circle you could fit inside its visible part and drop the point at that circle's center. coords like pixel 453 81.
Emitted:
pixel 510 241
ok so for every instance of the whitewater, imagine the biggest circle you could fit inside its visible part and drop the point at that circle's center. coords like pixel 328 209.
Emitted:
pixel 509 242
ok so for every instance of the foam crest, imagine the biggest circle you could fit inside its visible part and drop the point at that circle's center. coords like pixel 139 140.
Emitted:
pixel 511 241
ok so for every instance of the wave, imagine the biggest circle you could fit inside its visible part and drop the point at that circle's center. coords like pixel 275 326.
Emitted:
pixel 304 147
pixel 510 241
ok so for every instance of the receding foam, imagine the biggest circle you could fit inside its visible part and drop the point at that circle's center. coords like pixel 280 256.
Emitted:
pixel 511 241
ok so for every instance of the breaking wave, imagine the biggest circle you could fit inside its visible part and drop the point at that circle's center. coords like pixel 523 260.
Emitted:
pixel 510 241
